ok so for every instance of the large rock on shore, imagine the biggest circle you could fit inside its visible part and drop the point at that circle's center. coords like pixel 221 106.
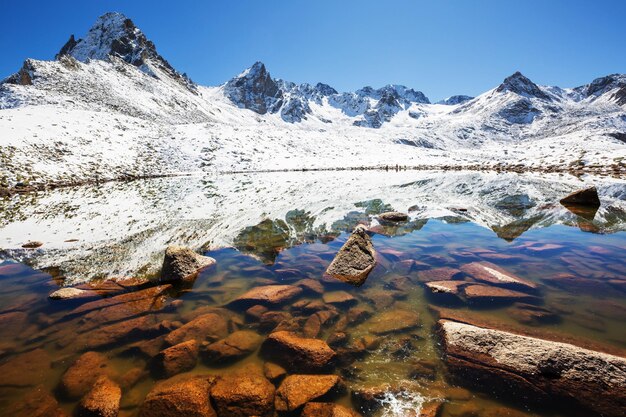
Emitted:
pixel 587 197
pixel 103 400
pixel 494 275
pixel 244 394
pixel 298 354
pixel 187 397
pixel 297 390
pixel 183 264
pixel 393 217
pixel 530 367
pixel 355 260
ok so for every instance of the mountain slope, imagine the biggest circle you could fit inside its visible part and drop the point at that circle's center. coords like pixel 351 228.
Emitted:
pixel 110 106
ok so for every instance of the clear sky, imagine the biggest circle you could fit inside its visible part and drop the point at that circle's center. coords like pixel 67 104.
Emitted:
pixel 439 47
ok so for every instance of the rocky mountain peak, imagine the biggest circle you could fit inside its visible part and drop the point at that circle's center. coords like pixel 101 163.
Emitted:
pixel 457 99
pixel 519 84
pixel 255 89
pixel 115 35
pixel 606 84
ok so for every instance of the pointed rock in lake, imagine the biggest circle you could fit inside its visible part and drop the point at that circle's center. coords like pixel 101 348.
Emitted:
pixel 355 260
pixel 587 197
pixel 183 264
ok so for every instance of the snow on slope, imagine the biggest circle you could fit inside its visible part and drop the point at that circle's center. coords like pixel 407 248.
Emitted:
pixel 110 106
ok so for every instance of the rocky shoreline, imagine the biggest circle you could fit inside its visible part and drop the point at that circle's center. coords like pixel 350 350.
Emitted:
pixel 614 170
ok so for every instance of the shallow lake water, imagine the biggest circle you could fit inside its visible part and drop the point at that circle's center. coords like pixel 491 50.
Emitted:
pixel 281 228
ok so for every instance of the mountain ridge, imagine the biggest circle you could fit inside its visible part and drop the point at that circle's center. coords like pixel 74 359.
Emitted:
pixel 110 106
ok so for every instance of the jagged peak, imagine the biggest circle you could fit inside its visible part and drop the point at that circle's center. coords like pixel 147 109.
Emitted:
pixel 519 84
pixel 604 84
pixel 456 99
pixel 114 34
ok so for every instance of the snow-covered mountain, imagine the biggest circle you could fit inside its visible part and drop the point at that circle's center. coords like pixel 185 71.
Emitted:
pixel 111 106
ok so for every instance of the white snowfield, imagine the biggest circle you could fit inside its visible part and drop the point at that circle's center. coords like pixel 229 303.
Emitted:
pixel 101 113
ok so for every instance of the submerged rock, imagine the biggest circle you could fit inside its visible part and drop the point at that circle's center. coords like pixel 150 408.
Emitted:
pixel 297 390
pixel 183 264
pixel 484 293
pixel 176 359
pixel 188 397
pixel 25 369
pixel 103 400
pixel 393 321
pixel 268 294
pixel 36 403
pixel 355 260
pixel 83 374
pixel 587 197
pixel 327 410
pixel 209 326
pixel 493 274
pixel 69 293
pixel 243 394
pixel 237 345
pixel 298 354
pixel 527 366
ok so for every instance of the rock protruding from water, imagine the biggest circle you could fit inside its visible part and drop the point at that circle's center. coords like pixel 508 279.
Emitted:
pixel 355 260
pixel 298 354
pixel 528 366
pixel 297 390
pixel 393 217
pixel 183 264
pixel 587 197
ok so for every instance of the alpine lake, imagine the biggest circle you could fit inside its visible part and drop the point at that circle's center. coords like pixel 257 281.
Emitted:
pixel 264 230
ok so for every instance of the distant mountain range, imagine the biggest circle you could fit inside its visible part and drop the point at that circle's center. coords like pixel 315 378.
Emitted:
pixel 110 106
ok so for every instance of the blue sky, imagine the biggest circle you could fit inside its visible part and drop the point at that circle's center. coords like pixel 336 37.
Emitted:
pixel 439 47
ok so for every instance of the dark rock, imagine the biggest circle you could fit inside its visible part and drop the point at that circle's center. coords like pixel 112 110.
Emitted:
pixel 355 260
pixel 393 217
pixel 183 264
pixel 103 400
pixel 33 244
pixel 254 313
pixel 235 346
pixel 298 354
pixel 176 359
pixel 242 395
pixel 525 366
pixel 587 197
pixel 175 397
pixel 297 390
